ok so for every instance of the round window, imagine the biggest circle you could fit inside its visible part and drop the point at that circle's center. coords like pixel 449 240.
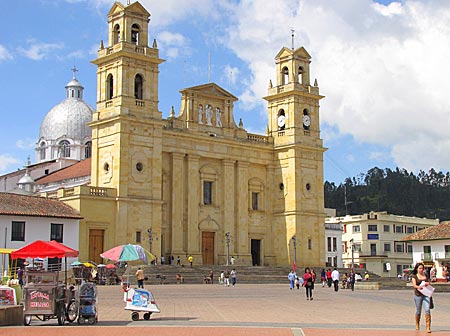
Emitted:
pixel 308 186
pixel 139 166
pixel 106 166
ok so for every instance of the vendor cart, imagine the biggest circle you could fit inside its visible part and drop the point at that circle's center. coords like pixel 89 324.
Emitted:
pixel 45 298
pixel 44 295
pixel 140 300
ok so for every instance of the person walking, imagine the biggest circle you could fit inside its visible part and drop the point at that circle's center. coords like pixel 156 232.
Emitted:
pixel 329 279
pixel 335 278
pixel 191 260
pixel 420 280
pixel 226 277
pixel 178 261
pixel 233 276
pixel 308 283
pixel 291 277
pixel 323 277
pixel 351 280
pixel 140 277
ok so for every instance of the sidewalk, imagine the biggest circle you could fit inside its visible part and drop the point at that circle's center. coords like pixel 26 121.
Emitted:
pixel 256 310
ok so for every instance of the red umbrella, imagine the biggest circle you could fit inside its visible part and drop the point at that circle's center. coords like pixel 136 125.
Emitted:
pixel 43 249
pixel 109 266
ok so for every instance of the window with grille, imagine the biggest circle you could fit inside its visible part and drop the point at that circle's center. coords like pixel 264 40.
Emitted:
pixel 18 231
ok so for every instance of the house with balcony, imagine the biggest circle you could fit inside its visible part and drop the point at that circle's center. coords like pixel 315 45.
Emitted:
pixel 333 241
pixel 432 247
pixel 374 241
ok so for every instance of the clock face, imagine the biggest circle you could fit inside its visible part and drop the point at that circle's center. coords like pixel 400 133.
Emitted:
pixel 281 120
pixel 306 120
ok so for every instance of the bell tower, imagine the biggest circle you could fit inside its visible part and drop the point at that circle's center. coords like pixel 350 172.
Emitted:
pixel 127 126
pixel 293 114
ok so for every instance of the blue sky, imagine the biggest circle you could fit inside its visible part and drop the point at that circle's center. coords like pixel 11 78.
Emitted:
pixel 382 66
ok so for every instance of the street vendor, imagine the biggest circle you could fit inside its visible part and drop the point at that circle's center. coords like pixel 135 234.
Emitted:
pixel 140 277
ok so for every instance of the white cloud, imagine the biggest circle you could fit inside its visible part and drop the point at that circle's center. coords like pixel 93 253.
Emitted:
pixel 7 162
pixel 5 54
pixel 38 50
pixel 25 143
pixel 383 69
pixel 394 8
pixel 173 44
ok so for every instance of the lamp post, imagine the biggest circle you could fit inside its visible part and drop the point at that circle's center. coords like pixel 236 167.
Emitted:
pixel 150 239
pixel 353 251
pixel 227 241
pixel 294 241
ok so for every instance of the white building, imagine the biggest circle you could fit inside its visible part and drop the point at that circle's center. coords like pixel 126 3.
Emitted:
pixel 374 241
pixel 432 247
pixel 25 219
pixel 333 241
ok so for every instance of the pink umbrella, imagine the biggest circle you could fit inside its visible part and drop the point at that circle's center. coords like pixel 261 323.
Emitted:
pixel 113 254
pixel 109 266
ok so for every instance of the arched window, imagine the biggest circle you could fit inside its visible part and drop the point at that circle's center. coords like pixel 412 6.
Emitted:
pixel 300 75
pixel 64 148
pixel 285 76
pixel 138 83
pixel 110 87
pixel 88 149
pixel 116 34
pixel 135 33
pixel 42 150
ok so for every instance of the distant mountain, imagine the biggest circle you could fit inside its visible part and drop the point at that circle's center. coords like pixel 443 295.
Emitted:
pixel 396 191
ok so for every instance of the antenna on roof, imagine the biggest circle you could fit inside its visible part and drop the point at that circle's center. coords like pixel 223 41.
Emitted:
pixel 209 67
pixel 292 36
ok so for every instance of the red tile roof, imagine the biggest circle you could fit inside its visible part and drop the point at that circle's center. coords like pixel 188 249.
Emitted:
pixel 21 205
pixel 79 169
pixel 440 231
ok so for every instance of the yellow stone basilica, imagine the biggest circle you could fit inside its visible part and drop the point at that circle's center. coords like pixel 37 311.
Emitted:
pixel 197 183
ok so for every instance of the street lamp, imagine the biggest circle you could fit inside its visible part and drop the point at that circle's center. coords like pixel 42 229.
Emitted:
pixel 227 240
pixel 294 241
pixel 353 251
pixel 150 238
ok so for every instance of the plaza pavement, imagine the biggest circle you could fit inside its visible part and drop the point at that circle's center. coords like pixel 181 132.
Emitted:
pixel 255 310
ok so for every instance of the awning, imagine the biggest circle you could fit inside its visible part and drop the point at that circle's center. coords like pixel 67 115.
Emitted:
pixel 44 249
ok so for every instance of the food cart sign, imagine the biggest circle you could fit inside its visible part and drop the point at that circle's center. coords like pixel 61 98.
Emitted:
pixel 39 299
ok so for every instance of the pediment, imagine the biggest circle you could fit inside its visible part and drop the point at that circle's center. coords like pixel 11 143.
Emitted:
pixel 208 224
pixel 135 7
pixel 210 90
pixel 286 52
pixel 116 8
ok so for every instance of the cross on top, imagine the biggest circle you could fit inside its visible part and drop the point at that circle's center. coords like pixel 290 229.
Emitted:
pixel 74 70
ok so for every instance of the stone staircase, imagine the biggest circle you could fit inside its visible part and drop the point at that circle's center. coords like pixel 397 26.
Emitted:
pixel 197 274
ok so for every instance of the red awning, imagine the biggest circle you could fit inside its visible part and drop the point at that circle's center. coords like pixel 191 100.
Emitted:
pixel 44 249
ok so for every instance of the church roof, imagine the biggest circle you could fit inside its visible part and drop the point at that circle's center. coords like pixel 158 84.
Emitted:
pixel 79 169
pixel 440 231
pixel 22 205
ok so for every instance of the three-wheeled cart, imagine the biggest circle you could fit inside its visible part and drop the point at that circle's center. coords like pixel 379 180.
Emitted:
pixel 87 303
pixel 45 298
pixel 140 300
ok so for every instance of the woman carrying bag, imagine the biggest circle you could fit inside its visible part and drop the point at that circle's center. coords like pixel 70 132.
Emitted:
pixel 308 283
pixel 420 280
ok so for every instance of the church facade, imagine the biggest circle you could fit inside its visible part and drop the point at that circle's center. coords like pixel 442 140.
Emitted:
pixel 197 183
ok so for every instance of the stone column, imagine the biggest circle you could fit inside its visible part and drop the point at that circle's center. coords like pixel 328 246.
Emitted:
pixel 229 192
pixel 193 201
pixel 177 202
pixel 241 195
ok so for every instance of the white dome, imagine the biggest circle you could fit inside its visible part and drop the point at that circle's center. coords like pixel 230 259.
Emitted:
pixel 68 119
